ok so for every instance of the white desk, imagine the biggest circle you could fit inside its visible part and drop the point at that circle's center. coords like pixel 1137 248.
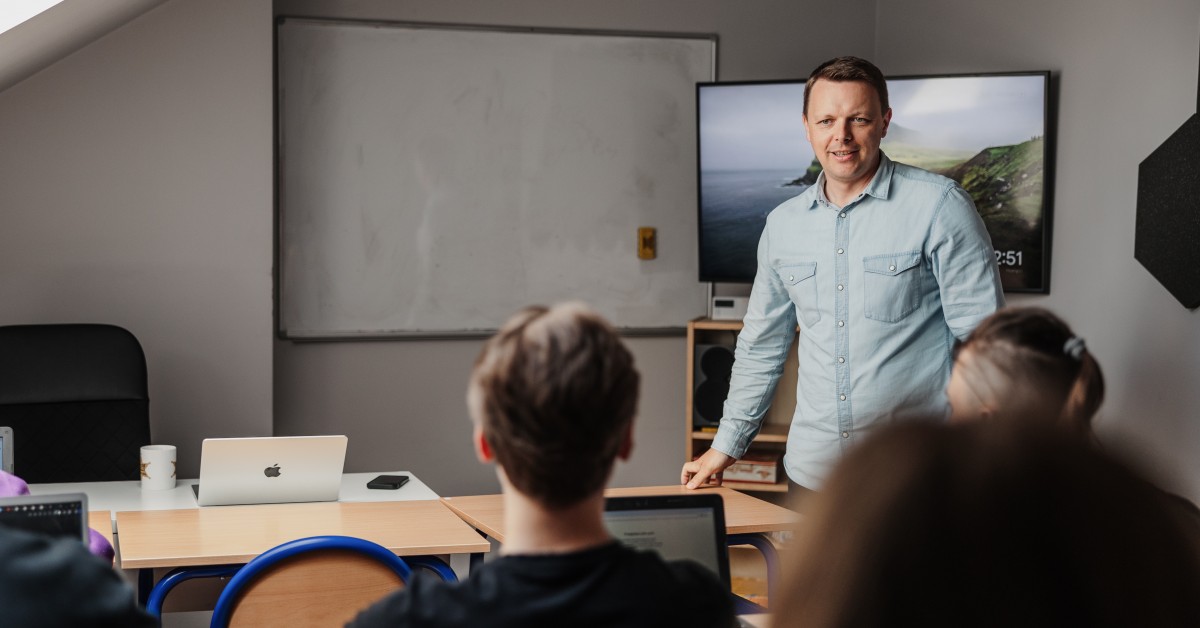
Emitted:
pixel 126 496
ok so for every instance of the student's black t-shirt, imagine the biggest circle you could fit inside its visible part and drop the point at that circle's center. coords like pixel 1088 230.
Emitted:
pixel 610 585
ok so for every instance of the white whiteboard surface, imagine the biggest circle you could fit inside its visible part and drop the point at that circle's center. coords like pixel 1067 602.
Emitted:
pixel 434 180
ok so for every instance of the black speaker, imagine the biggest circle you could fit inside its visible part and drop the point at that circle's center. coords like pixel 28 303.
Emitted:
pixel 713 366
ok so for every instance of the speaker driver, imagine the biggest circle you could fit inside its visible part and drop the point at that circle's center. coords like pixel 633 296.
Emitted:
pixel 713 367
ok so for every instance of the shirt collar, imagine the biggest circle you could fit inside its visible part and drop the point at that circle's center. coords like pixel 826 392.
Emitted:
pixel 882 181
pixel 879 186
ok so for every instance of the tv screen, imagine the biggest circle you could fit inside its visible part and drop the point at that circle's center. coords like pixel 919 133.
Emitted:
pixel 989 132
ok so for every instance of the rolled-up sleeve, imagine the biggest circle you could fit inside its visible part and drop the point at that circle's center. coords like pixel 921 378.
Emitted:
pixel 964 264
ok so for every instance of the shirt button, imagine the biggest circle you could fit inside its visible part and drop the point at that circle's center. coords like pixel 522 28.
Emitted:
pixel 840 251
pixel 791 278
pixel 845 434
pixel 841 287
pixel 893 267
pixel 842 397
pixel 841 360
pixel 842 215
pixel 841 323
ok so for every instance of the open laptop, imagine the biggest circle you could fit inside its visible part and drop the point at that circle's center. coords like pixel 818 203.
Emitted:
pixel 62 515
pixel 6 449
pixel 676 526
pixel 270 470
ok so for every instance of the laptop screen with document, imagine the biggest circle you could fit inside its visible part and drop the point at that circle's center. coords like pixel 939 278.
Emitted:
pixel 676 526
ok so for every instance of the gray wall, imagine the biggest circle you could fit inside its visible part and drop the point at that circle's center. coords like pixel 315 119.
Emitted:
pixel 1127 77
pixel 1127 80
pixel 401 403
pixel 135 189
pixel 135 186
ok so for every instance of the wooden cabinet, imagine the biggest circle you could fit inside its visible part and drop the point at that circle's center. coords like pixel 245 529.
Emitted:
pixel 704 333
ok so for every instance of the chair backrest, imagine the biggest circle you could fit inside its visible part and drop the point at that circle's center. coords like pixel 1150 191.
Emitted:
pixel 76 399
pixel 316 581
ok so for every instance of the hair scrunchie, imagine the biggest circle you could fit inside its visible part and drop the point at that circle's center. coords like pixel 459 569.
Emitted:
pixel 1074 347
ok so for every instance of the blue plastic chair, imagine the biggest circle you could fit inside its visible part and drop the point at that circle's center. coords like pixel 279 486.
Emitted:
pixel 158 591
pixel 320 580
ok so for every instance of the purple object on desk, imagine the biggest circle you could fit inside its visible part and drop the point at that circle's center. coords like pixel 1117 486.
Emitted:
pixel 13 486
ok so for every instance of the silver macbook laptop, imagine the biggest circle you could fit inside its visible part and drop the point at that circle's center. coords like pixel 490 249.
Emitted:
pixel 270 470
pixel 54 515
pixel 6 449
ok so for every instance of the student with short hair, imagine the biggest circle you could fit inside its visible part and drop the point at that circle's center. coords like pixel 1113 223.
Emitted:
pixel 553 397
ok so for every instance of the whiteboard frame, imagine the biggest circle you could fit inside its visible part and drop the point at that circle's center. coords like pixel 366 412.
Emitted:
pixel 336 336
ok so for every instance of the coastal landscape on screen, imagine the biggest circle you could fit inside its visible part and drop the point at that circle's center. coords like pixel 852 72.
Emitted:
pixel 986 132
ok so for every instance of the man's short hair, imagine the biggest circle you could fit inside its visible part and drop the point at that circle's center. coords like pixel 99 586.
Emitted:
pixel 555 391
pixel 849 69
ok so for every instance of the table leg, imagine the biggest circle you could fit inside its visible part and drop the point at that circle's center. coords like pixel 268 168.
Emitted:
pixel 158 594
pixel 144 584
pixel 770 555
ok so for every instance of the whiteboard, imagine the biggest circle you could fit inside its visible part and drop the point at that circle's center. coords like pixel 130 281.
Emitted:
pixel 433 180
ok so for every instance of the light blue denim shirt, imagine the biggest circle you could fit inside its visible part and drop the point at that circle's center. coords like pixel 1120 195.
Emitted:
pixel 881 288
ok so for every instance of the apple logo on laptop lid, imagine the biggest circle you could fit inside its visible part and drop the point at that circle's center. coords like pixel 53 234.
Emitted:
pixel 272 472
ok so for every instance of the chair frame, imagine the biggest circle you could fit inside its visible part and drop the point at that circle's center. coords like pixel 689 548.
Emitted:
pixel 158 592
pixel 230 596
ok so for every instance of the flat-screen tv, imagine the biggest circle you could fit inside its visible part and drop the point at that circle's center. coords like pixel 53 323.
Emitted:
pixel 990 132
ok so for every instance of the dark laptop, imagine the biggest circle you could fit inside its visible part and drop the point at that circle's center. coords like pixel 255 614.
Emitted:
pixel 62 515
pixel 676 526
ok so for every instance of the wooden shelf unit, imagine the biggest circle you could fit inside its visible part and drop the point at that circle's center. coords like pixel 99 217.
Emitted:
pixel 773 435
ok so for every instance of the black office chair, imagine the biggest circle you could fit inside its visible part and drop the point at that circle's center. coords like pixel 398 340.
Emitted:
pixel 75 397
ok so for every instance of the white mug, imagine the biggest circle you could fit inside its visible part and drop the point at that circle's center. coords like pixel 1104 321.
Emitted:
pixel 158 467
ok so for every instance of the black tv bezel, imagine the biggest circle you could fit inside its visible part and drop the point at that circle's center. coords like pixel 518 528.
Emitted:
pixel 1049 145
pixel 699 195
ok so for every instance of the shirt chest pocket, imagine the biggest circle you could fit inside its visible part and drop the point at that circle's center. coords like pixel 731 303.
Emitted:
pixel 891 285
pixel 800 280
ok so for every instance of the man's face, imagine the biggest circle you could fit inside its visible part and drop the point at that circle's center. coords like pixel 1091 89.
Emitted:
pixel 844 126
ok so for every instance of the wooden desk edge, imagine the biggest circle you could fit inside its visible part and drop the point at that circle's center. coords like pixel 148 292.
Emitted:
pixel 475 545
pixel 472 521
pixel 101 521
pixel 779 519
pixel 241 559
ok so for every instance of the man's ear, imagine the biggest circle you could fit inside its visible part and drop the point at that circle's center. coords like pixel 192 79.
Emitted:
pixel 626 448
pixel 483 451
pixel 887 121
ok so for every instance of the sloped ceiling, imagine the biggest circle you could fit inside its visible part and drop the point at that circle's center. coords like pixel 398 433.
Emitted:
pixel 59 31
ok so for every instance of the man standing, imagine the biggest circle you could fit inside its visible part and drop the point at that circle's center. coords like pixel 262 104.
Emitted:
pixel 882 265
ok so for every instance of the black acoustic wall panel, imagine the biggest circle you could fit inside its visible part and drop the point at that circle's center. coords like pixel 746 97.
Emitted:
pixel 1167 241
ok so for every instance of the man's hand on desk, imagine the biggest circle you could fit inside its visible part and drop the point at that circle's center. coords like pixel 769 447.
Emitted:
pixel 706 468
